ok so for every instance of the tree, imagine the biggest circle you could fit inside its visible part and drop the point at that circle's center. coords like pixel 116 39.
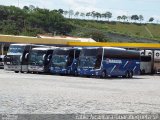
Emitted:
pixel 93 14
pixel 71 13
pixel 96 35
pixel 108 15
pixel 65 13
pixel 97 15
pixel 134 17
pixel 31 7
pixel 26 8
pixel 119 18
pixel 82 15
pixel 88 14
pixel 76 14
pixel 32 21
pixel 104 15
pixel 141 18
pixel 61 11
pixel 151 19
pixel 124 17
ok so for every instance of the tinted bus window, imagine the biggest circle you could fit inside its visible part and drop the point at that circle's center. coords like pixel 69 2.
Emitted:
pixel 145 58
pixel 61 52
pixel 16 49
pixel 77 53
pixel 121 54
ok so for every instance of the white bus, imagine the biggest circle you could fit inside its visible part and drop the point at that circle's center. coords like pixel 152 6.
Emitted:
pixel 17 57
pixel 39 59
pixel 150 61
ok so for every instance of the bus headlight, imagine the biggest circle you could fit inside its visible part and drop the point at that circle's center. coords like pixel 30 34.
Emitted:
pixel 97 73
pixel 40 68
pixel 63 69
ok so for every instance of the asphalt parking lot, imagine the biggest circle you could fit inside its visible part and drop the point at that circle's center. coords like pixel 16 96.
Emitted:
pixel 36 94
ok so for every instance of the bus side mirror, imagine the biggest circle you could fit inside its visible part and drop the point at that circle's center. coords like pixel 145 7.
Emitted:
pixel 26 56
pixel 44 57
pixel 49 57
pixel 20 58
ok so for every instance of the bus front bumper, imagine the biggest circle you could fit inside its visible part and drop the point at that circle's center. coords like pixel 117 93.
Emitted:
pixel 57 70
pixel 12 67
pixel 32 68
pixel 86 72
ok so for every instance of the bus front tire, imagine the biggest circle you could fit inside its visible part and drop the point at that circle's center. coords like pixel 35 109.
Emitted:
pixel 130 74
pixel 103 75
pixel 126 74
pixel 143 72
pixel 75 73
pixel 16 71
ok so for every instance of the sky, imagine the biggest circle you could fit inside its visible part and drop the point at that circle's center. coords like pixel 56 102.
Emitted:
pixel 147 8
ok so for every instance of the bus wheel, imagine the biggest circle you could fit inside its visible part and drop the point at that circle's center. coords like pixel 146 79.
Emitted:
pixel 22 72
pixel 130 74
pixel 142 72
pixel 16 71
pixel 103 75
pixel 75 73
pixel 126 74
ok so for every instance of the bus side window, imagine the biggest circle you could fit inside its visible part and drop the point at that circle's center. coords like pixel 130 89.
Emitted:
pixel 98 61
pixel 70 58
pixel 77 54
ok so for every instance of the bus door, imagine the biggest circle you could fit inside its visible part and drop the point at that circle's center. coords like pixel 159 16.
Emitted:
pixel 98 61
pixel 47 59
pixel 24 59
pixel 76 58
pixel 157 61
pixel 70 58
pixel 146 64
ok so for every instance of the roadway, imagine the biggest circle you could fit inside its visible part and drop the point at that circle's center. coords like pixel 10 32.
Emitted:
pixel 34 93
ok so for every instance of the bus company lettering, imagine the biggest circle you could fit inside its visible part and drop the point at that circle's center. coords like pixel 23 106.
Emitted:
pixel 113 61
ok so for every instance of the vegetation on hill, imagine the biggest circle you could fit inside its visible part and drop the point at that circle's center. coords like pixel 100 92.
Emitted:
pixel 133 30
pixel 31 21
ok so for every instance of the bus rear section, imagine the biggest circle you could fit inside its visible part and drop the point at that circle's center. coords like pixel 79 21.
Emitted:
pixel 15 60
pixel 156 65
pixel 65 61
pixel 150 61
pixel 107 62
pixel 39 59
pixel 146 65
pixel 17 57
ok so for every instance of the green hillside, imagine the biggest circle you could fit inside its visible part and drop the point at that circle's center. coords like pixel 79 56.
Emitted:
pixel 133 30
pixel 30 21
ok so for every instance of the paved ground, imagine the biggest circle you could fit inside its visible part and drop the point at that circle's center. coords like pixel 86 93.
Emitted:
pixel 32 93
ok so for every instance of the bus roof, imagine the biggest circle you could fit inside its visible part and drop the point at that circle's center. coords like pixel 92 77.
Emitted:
pixel 105 48
pixel 20 44
pixel 69 48
pixel 45 48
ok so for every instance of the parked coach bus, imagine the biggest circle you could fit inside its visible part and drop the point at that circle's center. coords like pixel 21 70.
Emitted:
pixel 107 61
pixel 150 61
pixel 17 57
pixel 65 60
pixel 39 59
pixel 156 66
pixel 146 62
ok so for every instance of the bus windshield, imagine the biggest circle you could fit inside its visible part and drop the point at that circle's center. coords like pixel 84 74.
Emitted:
pixel 37 57
pixel 59 58
pixel 16 49
pixel 89 58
